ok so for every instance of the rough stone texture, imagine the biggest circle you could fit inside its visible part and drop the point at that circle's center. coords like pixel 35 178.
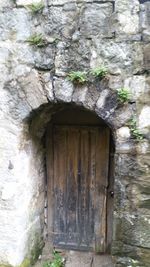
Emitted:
pixel 145 20
pixel 80 35
pixel 27 2
pixel 76 258
pixel 147 56
pixel 144 119
pixel 63 90
pixel 123 133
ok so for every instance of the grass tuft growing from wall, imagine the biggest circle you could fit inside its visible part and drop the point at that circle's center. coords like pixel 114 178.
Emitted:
pixel 35 7
pixel 37 40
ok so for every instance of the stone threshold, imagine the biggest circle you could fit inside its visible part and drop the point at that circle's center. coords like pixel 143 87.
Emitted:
pixel 76 258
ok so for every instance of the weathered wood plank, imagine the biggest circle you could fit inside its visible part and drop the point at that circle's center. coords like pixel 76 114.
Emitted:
pixel 101 183
pixel 50 180
pixel 60 154
pixel 72 185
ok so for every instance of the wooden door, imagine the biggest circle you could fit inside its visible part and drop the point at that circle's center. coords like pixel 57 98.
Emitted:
pixel 77 165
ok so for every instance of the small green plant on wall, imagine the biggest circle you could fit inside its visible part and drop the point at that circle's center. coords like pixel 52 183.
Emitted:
pixel 37 40
pixel 134 263
pixel 135 132
pixel 99 72
pixel 123 95
pixel 35 7
pixel 77 77
pixel 57 261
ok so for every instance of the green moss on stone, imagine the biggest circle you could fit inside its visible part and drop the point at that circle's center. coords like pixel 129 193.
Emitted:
pixel 144 190
pixel 144 256
pixel 36 250
pixel 145 204
pixel 25 263
pixel 35 254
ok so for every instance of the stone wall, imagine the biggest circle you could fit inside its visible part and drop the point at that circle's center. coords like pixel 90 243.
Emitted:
pixel 78 35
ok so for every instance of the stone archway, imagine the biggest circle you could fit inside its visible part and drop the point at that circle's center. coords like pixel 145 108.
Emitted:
pixel 38 125
pixel 114 115
pixel 96 98
pixel 36 110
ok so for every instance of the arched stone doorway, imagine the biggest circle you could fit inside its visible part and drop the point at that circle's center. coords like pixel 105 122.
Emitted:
pixel 102 111
pixel 79 186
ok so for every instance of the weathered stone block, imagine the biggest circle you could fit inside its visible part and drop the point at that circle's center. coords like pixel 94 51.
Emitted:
pixel 143 147
pixel 145 20
pixel 126 19
pixel 126 5
pixel 115 82
pixel 127 252
pixel 128 166
pixel 23 55
pixel 91 97
pixel 86 20
pixel 144 256
pixel 75 57
pixel 133 230
pixel 79 95
pixel 147 57
pixel 62 20
pixel 63 90
pixel 33 90
pixel 102 99
pixel 141 196
pixel 143 165
pixel 48 85
pixel 120 57
pixel 122 115
pixel 144 120
pixel 147 90
pixel 15 25
pixel 122 146
pixel 53 22
pixel 44 57
pixel 23 95
pixel 123 133
pixel 136 85
pixel 94 19
pixel 86 95
pixel 128 23
pixel 6 3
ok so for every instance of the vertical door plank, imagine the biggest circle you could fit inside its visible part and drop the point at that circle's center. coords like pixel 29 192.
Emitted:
pixel 50 180
pixel 110 197
pixel 72 186
pixel 92 174
pixel 101 183
pixel 60 161
pixel 84 185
